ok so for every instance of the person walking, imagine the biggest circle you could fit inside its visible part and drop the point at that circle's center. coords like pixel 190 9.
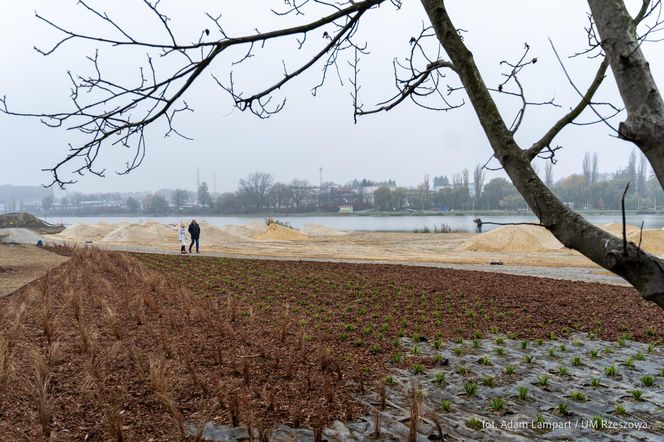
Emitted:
pixel 182 235
pixel 195 233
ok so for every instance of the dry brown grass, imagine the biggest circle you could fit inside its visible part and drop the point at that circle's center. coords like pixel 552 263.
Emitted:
pixel 15 325
pixel 158 382
pixel 42 386
pixel 112 320
pixel 114 423
pixel 415 399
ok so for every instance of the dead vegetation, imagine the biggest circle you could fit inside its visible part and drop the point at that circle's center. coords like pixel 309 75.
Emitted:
pixel 105 348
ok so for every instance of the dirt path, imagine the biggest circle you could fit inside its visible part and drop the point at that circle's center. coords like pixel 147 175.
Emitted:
pixel 21 264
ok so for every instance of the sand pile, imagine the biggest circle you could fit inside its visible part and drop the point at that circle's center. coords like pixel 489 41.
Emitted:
pixel 652 240
pixel 275 232
pixel 142 234
pixel 321 230
pixel 616 229
pixel 213 235
pixel 525 239
pixel 88 232
pixel 245 231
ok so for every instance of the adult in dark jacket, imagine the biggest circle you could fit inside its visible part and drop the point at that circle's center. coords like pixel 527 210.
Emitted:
pixel 195 233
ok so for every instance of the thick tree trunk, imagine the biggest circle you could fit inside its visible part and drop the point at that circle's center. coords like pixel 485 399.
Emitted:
pixel 642 270
pixel 645 109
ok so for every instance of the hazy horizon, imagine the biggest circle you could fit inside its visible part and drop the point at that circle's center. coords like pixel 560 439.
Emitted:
pixel 311 132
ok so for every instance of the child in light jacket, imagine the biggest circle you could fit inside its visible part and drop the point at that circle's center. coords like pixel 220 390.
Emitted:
pixel 182 235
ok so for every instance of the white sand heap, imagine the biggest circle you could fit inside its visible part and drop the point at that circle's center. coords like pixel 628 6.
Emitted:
pixel 275 232
pixel 246 230
pixel 213 235
pixel 147 233
pixel 525 239
pixel 88 232
pixel 321 230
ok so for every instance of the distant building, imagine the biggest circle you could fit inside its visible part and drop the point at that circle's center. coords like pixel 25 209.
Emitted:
pixel 346 209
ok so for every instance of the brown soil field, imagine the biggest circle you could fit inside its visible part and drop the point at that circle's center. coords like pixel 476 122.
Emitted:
pixel 111 344
pixel 20 264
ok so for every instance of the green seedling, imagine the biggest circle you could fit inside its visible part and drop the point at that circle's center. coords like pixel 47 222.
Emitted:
pixel 474 423
pixel 418 368
pixel 489 381
pixel 562 370
pixel 639 356
pixel 611 371
pixel 439 378
pixel 510 369
pixel 445 406
pixel 578 396
pixel 619 410
pixel 647 381
pixel 562 409
pixel 593 354
pixel 497 404
pixel 484 360
pixel 524 345
pixel 522 392
pixel 542 380
pixel 594 382
pixel 500 341
pixel 470 389
pixel 462 371
pixel 599 422
pixel 576 361
pixel 637 395
pixel 500 351
pixel 528 358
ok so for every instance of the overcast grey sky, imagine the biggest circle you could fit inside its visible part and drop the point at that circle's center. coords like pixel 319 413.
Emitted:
pixel 311 132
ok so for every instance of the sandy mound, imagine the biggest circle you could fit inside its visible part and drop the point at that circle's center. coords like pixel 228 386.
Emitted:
pixel 88 232
pixel 275 232
pixel 653 240
pixel 145 233
pixel 321 230
pixel 23 221
pixel 616 229
pixel 527 239
pixel 245 231
pixel 213 235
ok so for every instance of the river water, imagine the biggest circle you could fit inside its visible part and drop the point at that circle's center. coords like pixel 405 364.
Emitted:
pixel 370 223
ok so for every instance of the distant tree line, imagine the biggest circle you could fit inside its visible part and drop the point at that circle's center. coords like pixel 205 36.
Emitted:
pixel 259 192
